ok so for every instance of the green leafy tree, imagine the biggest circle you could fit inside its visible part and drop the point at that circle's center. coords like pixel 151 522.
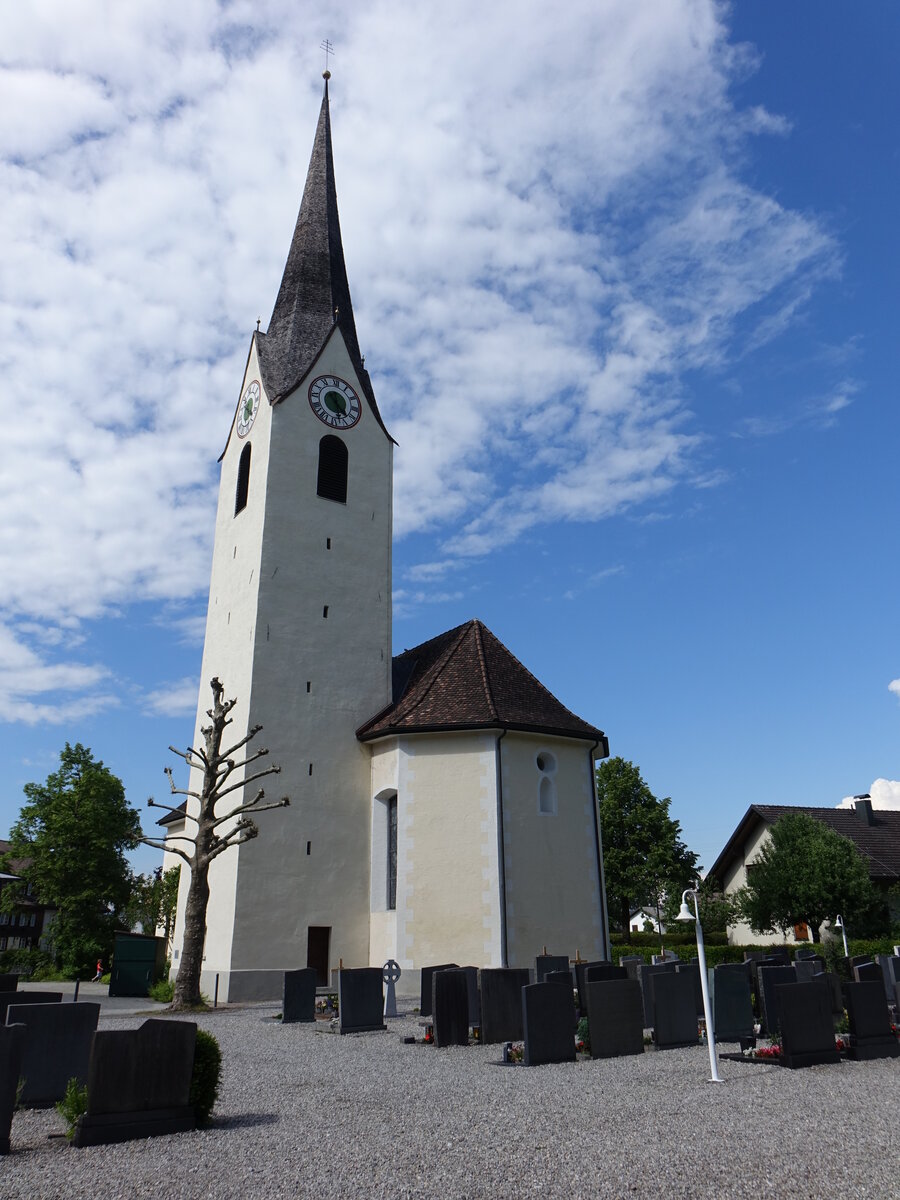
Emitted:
pixel 805 874
pixel 644 856
pixel 153 900
pixel 73 832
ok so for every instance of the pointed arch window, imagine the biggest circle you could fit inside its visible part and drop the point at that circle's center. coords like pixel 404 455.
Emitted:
pixel 331 482
pixel 243 480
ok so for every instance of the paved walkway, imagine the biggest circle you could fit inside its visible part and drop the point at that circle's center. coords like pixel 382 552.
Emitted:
pixel 97 993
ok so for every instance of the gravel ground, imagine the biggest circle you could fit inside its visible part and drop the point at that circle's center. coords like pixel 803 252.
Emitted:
pixel 303 1112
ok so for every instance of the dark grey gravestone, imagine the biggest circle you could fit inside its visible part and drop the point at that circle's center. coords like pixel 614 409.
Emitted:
pixel 12 1047
pixel 8 983
pixel 645 976
pixel 692 971
pixel 807 1031
pixel 732 1006
pixel 580 968
pixel 615 1018
pixel 450 1007
pixel 501 1003
pixel 58 1041
pixel 856 959
pixel 601 972
pixel 868 972
pixel 870 1023
pixel 890 970
pixel 674 1014
pixel 8 998
pixel 361 1000
pixel 474 995
pixel 625 959
pixel 298 1001
pixel 666 957
pixel 782 955
pixel 545 963
pixel 805 969
pixel 548 1021
pixel 139 1083
pixel 768 979
pixel 632 965
pixel 425 992
pixel 560 977
pixel 804 952
pixel 832 981
pixel 755 964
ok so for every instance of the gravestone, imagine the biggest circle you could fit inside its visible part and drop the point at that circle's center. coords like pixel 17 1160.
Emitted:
pixel 868 972
pixel 58 1041
pixel 9 998
pixel 856 959
pixel 601 972
pixel 425 993
pixel 560 977
pixel 732 1005
pixel 645 976
pixel 139 1083
pixel 390 973
pixel 360 1000
pixel 674 1013
pixel 548 1021
pixel 832 981
pixel 665 957
pixel 890 970
pixel 633 966
pixel 769 978
pixel 870 1023
pixel 450 1007
pixel 781 954
pixel 501 1003
pixel 807 1031
pixel 12 1047
pixel 805 969
pixel 8 983
pixel 298 1002
pixel 474 995
pixel 634 959
pixel 804 952
pixel 580 968
pixel 615 1018
pixel 692 971
pixel 545 963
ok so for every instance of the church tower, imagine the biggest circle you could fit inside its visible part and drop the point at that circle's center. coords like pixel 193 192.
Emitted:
pixel 299 620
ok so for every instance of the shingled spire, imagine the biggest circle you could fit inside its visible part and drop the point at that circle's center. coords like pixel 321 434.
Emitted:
pixel 314 294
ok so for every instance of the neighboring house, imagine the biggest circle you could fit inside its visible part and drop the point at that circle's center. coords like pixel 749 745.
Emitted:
pixel 875 833
pixel 23 928
pixel 641 917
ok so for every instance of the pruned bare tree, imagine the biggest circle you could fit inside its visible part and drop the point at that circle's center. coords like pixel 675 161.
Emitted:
pixel 208 842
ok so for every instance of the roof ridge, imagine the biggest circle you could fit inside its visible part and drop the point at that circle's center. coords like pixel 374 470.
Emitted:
pixel 482 662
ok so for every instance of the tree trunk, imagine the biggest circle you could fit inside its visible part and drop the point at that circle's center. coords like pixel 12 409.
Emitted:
pixel 187 981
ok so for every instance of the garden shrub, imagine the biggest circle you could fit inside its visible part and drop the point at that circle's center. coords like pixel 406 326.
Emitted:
pixel 72 1106
pixel 163 991
pixel 206 1076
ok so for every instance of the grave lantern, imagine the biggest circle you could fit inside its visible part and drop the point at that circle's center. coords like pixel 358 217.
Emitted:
pixel 839 924
pixel 685 914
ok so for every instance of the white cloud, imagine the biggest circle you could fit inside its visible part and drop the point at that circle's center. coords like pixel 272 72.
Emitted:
pixel 25 676
pixel 894 686
pixel 174 699
pixel 538 256
pixel 884 793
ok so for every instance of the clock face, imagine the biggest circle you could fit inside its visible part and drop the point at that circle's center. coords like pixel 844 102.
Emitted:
pixel 248 407
pixel 334 402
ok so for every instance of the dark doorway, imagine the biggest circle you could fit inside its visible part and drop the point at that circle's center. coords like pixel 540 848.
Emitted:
pixel 317 942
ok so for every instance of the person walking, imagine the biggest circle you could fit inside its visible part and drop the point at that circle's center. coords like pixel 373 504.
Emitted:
pixel 98 977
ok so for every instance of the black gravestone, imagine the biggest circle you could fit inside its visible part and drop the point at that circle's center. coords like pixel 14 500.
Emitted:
pixel 8 998
pixel 501 1003
pixel 833 982
pixel 601 972
pixel 781 955
pixel 560 977
pixel 856 959
pixel 645 976
pixel 12 1047
pixel 868 972
pixel 768 979
pixel 804 952
pixel 450 1007
pixel 474 995
pixel 425 990
pixel 692 970
pixel 806 968
pixel 8 983
pixel 548 1019
pixel 732 1006
pixel 762 960
pixel 58 1041
pixel 890 970
pixel 580 968
pixel 630 962
pixel 615 1018
pixel 545 963
pixel 139 1083
pixel 298 1001
pixel 807 1031
pixel 674 1015
pixel 361 1000
pixel 870 1023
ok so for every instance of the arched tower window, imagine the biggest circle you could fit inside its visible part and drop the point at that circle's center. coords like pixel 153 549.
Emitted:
pixel 331 482
pixel 546 765
pixel 243 480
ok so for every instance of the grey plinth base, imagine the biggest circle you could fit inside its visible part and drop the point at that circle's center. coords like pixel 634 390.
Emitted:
pixel 865 1049
pixel 104 1128
pixel 365 1029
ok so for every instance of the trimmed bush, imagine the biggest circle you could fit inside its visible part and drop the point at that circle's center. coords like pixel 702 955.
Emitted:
pixel 206 1076
pixel 163 991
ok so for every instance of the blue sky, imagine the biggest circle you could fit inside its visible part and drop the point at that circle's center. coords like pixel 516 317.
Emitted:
pixel 626 277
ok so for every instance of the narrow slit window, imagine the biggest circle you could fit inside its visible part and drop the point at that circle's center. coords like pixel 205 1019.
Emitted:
pixel 331 481
pixel 392 853
pixel 243 481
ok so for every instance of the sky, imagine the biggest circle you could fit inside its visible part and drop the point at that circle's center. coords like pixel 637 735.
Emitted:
pixel 626 279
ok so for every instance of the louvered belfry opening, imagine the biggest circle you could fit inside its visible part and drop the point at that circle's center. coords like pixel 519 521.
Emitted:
pixel 331 482
pixel 243 480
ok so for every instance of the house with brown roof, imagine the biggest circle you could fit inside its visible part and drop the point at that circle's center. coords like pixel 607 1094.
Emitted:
pixel 874 832
pixel 24 921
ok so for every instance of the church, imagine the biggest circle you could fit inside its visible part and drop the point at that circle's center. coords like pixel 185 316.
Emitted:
pixel 443 804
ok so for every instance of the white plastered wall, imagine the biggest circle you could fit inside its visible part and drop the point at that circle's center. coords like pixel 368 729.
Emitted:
pixel 740 934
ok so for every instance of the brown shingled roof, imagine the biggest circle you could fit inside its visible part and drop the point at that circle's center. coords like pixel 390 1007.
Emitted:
pixel 879 843
pixel 467 679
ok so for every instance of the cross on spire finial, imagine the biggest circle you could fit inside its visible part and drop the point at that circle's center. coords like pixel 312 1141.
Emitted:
pixel 329 49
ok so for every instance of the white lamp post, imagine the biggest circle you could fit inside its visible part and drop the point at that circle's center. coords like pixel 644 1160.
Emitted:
pixel 839 924
pixel 685 914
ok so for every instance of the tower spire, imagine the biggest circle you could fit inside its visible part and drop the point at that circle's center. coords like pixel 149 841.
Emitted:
pixel 314 294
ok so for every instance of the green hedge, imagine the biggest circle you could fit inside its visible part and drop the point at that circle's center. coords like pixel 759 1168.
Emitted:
pixel 831 950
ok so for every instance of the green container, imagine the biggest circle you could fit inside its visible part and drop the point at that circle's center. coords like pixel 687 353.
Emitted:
pixel 139 960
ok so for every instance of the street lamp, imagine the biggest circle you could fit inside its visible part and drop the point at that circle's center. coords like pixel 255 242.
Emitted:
pixel 839 924
pixel 685 914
